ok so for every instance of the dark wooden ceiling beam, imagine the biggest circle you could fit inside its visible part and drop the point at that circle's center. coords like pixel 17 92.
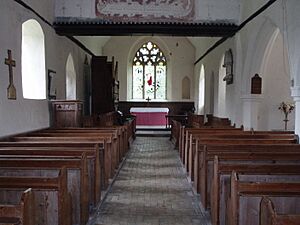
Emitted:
pixel 119 29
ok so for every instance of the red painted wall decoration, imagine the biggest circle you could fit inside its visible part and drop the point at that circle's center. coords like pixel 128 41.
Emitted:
pixel 145 10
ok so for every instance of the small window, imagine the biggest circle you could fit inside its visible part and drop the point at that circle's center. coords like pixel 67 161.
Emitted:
pixel 33 61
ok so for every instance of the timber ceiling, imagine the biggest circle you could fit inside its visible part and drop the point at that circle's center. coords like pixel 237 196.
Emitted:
pixel 96 27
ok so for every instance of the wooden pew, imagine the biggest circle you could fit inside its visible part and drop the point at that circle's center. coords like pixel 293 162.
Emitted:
pixel 185 135
pixel 67 148
pixel 251 194
pixel 221 180
pixel 204 160
pixel 175 132
pixel 21 212
pixel 92 156
pixel 58 213
pixel 190 150
pixel 77 178
pixel 187 132
pixel 75 140
pixel 269 216
pixel 119 135
pixel 110 138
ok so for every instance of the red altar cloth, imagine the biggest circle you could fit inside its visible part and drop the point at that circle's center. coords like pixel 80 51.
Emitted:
pixel 150 116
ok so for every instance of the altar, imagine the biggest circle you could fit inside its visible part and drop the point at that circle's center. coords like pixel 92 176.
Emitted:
pixel 150 116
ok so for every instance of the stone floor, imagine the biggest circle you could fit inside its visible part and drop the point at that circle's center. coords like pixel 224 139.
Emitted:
pixel 151 189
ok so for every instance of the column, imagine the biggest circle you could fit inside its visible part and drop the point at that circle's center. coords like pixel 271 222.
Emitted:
pixel 296 97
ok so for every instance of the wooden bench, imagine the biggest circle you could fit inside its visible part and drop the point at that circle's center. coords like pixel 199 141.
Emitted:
pixel 185 135
pixel 110 138
pixel 269 215
pixel 92 157
pixel 75 140
pixel 247 193
pixel 191 147
pixel 22 212
pixel 187 132
pixel 221 180
pixel 205 157
pixel 76 173
pixel 53 188
pixel 67 149
pixel 119 134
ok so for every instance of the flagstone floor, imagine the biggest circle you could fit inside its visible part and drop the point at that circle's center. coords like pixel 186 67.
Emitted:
pixel 151 189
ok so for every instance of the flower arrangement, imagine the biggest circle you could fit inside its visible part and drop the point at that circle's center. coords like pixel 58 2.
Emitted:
pixel 286 108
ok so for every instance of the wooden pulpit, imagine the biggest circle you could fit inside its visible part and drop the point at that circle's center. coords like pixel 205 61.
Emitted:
pixel 67 113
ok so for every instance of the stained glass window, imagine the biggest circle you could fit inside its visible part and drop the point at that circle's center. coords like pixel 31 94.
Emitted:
pixel 149 73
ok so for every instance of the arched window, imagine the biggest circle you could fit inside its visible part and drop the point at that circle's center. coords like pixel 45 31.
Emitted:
pixel 201 91
pixel 70 79
pixel 33 61
pixel 149 73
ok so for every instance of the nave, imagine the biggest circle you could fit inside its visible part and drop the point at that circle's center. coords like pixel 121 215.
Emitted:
pixel 151 189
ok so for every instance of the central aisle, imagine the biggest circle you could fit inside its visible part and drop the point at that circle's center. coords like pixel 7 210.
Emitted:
pixel 151 189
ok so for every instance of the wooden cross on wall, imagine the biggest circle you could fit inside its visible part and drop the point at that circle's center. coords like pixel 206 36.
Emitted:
pixel 11 90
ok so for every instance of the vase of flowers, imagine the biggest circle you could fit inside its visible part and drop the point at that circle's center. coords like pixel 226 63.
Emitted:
pixel 286 108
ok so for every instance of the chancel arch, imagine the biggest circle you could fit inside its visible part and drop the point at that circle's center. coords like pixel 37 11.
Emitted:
pixel 70 79
pixel 33 60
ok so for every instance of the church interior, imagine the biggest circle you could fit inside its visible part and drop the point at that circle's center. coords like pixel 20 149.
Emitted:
pixel 149 112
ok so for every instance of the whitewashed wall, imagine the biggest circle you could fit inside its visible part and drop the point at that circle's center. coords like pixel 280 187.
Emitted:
pixel 205 10
pixel 22 115
pixel 179 52
pixel 254 52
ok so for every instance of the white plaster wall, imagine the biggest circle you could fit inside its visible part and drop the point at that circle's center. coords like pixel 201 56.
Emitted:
pixel 205 10
pixel 276 88
pixel 249 47
pixel 94 43
pixel 180 54
pixel 22 115
pixel 218 10
pixel 212 65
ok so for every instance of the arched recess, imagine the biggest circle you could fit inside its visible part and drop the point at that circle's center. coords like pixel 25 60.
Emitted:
pixel 186 88
pixel 33 60
pixel 201 97
pixel 133 50
pixel 70 79
pixel 221 112
pixel 257 44
pixel 275 73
